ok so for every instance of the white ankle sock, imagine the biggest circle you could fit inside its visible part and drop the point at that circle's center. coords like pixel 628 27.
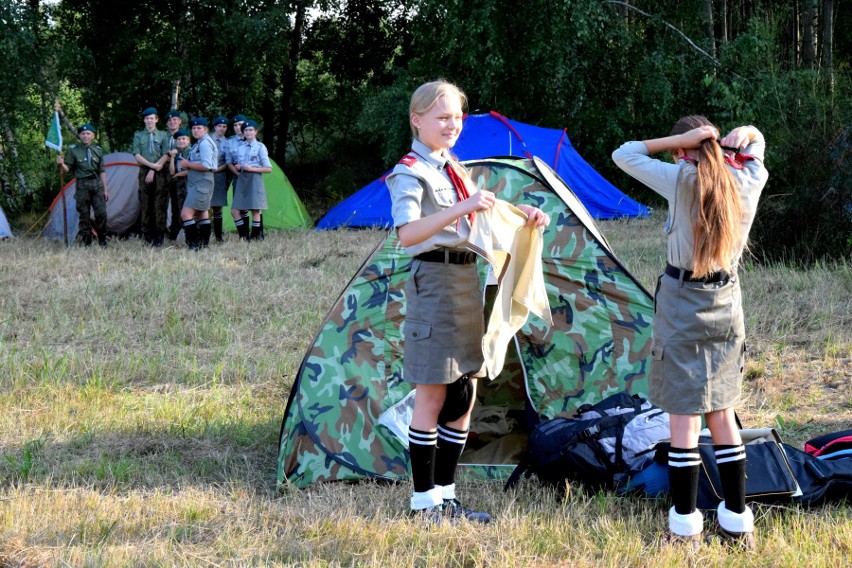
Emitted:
pixel 735 522
pixel 686 525
pixel 426 499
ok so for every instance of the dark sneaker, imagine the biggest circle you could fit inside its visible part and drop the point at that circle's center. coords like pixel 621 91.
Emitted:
pixel 689 544
pixel 431 515
pixel 740 541
pixel 454 510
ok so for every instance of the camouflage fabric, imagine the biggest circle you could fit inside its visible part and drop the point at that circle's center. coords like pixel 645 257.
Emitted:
pixel 599 343
pixel 89 199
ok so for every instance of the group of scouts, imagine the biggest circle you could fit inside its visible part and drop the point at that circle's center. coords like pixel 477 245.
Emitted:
pixel 191 178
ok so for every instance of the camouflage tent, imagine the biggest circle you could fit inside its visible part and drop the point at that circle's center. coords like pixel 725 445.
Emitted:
pixel 339 421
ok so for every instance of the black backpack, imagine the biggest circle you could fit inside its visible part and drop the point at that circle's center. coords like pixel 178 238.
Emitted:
pixel 601 446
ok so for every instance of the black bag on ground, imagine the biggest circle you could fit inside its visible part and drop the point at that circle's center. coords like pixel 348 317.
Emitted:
pixel 600 447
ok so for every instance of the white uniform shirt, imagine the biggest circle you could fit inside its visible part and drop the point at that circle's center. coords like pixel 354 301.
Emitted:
pixel 676 182
pixel 419 186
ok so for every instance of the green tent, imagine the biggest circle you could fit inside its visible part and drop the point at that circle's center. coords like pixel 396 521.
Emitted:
pixel 286 210
pixel 346 416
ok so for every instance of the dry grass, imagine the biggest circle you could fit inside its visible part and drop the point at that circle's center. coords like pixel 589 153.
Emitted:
pixel 143 392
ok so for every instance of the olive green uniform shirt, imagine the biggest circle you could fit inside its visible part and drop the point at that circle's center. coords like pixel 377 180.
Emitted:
pixel 84 161
pixel 150 146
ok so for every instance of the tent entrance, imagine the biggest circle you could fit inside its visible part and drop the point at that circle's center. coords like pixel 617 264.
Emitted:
pixel 503 414
pixel 502 417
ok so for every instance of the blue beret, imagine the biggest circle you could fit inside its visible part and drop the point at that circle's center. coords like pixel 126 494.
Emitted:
pixel 172 113
pixel 88 126
pixel 239 118
pixel 220 120
pixel 251 123
pixel 148 111
pixel 198 121
pixel 181 132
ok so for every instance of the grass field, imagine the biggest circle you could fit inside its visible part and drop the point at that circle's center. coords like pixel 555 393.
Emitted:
pixel 143 392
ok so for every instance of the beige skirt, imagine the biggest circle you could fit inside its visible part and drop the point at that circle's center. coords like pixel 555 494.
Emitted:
pixel 698 349
pixel 444 323
pixel 199 190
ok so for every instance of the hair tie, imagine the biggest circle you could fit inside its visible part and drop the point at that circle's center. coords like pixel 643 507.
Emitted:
pixel 727 148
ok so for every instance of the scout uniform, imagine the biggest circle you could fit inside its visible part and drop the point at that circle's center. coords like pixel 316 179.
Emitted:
pixel 231 157
pixel 86 164
pixel 179 181
pixel 684 345
pixel 220 185
pixel 250 193
pixel 153 198
pixel 221 180
pixel 444 322
pixel 199 187
pixel 698 346
pixel 176 187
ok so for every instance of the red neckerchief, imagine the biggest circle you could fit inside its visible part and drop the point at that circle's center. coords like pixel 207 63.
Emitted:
pixel 462 192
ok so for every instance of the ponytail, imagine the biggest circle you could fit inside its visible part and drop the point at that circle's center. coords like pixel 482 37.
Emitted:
pixel 718 211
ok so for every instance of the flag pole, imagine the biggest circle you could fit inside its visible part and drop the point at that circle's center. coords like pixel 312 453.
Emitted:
pixel 54 141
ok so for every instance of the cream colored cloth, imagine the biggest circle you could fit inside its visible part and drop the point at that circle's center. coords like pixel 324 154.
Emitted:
pixel 514 252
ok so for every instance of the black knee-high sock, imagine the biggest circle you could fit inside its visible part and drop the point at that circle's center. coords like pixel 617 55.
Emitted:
pixel 450 447
pixel 683 478
pixel 217 226
pixel 204 232
pixel 190 231
pixel 421 448
pixel 731 461
pixel 242 228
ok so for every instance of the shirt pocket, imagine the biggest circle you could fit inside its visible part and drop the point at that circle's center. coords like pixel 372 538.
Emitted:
pixel 445 196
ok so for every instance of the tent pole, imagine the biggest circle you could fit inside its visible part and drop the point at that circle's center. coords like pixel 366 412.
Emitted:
pixel 64 206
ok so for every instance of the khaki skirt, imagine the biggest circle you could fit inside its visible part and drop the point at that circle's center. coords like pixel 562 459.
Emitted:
pixel 444 323
pixel 699 346
pixel 199 190
pixel 220 190
pixel 249 191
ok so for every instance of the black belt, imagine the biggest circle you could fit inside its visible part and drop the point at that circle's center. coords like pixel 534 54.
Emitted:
pixel 676 273
pixel 87 178
pixel 446 255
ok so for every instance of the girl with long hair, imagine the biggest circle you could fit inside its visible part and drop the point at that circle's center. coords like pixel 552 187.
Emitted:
pixel 699 338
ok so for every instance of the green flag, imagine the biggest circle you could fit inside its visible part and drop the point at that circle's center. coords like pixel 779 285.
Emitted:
pixel 54 135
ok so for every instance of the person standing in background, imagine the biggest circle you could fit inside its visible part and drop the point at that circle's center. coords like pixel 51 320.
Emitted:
pixel 177 155
pixel 234 143
pixel 147 147
pixel 177 191
pixel 201 163
pixel 220 183
pixel 250 194
pixel 85 162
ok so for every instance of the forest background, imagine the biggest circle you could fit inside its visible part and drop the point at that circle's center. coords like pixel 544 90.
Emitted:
pixel 329 82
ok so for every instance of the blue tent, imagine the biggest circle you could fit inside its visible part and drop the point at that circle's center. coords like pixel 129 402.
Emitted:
pixel 5 229
pixel 488 135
